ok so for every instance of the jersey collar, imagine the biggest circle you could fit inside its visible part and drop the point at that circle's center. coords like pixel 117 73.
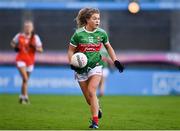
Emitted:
pixel 25 35
pixel 89 31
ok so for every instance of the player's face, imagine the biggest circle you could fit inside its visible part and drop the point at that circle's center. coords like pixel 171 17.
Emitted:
pixel 94 21
pixel 28 27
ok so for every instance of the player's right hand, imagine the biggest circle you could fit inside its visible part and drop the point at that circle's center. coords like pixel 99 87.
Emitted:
pixel 74 68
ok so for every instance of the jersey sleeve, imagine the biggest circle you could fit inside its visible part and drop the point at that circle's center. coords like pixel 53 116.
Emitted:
pixel 38 41
pixel 16 38
pixel 74 40
pixel 105 38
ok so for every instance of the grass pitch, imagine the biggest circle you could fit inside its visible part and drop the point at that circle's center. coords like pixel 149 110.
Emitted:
pixel 71 112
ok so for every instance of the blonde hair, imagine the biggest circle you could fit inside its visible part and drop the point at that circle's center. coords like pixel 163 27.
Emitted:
pixel 85 14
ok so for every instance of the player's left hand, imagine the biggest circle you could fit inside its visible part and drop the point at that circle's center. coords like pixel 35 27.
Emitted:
pixel 119 66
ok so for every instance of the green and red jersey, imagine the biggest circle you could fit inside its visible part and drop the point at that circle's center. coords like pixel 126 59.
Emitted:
pixel 90 44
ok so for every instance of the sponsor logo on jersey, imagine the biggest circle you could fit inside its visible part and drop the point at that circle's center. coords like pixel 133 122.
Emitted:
pixel 89 47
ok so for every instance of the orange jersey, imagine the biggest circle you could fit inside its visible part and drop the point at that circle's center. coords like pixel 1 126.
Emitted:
pixel 26 48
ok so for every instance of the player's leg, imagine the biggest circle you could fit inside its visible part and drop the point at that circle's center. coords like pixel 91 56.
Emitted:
pixel 103 80
pixel 94 77
pixel 83 83
pixel 84 88
pixel 101 87
pixel 21 66
pixel 24 76
pixel 29 69
pixel 100 94
pixel 94 107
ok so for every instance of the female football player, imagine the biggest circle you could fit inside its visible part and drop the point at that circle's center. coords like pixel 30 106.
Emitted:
pixel 26 43
pixel 88 39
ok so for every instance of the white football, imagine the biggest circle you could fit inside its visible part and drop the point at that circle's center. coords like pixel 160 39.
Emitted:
pixel 79 60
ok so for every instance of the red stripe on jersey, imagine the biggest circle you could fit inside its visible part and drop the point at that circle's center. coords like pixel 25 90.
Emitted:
pixel 89 47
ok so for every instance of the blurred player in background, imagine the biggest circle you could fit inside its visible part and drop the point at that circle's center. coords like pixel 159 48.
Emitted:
pixel 26 43
pixel 107 64
pixel 88 39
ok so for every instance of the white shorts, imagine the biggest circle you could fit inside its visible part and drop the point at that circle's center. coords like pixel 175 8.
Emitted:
pixel 95 71
pixel 105 72
pixel 29 68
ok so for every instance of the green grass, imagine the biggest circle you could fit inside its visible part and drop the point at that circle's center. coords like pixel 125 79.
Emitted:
pixel 71 112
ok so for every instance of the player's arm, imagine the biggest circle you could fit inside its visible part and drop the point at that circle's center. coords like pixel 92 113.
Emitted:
pixel 72 46
pixel 112 54
pixel 111 51
pixel 39 49
pixel 38 46
pixel 14 43
pixel 71 51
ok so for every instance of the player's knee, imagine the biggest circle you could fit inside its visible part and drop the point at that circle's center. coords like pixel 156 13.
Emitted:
pixel 25 80
pixel 92 93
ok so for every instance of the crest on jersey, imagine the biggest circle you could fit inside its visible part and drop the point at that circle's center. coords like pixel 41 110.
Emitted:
pixel 98 38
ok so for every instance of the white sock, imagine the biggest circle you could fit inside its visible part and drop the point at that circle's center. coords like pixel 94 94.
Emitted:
pixel 23 97
pixel 26 97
